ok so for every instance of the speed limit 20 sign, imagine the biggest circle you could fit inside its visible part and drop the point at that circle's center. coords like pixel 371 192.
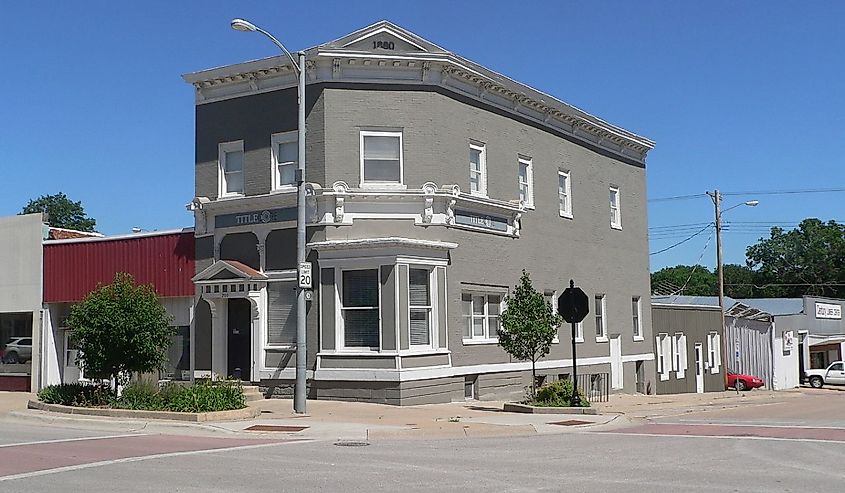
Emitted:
pixel 305 279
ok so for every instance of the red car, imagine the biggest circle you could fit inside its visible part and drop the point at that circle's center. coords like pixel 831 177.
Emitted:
pixel 740 381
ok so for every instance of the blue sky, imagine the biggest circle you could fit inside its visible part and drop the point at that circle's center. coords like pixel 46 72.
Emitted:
pixel 740 96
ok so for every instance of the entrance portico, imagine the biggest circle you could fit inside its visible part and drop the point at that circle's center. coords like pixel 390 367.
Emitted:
pixel 236 295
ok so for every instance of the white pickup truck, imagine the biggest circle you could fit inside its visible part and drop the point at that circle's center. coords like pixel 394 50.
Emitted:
pixel 832 375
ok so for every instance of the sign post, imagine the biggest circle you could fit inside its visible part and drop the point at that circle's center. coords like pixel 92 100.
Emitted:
pixel 573 305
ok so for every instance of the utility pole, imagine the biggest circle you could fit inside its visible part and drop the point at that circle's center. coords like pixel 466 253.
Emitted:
pixel 720 273
pixel 301 348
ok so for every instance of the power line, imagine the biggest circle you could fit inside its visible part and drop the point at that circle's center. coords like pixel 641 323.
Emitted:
pixel 705 228
pixel 679 197
pixel 787 192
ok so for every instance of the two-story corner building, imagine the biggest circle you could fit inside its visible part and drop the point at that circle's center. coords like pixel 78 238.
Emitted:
pixel 433 182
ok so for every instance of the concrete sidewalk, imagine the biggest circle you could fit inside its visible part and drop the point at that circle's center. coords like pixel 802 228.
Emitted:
pixel 335 420
pixel 654 406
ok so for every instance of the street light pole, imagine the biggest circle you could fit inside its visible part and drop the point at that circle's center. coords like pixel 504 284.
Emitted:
pixel 301 334
pixel 301 348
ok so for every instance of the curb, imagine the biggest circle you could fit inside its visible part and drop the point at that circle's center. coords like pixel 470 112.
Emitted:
pixel 512 407
pixel 238 414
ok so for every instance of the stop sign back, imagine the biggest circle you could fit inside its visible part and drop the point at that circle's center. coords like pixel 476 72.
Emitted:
pixel 573 305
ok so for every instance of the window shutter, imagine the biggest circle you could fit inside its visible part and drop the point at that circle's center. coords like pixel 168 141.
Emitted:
pixel 682 356
pixel 659 350
pixel 717 354
pixel 667 353
pixel 281 313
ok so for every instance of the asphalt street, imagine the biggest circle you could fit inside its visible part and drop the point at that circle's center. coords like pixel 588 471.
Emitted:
pixel 571 462
pixel 744 449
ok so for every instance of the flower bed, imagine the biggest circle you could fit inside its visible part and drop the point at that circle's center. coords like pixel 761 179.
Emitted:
pixel 201 397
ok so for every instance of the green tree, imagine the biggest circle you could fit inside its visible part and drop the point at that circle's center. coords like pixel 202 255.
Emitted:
pixel 810 257
pixel 62 212
pixel 740 281
pixel 690 280
pixel 529 324
pixel 120 328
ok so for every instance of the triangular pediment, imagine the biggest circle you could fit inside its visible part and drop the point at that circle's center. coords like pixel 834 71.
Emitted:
pixel 384 37
pixel 228 270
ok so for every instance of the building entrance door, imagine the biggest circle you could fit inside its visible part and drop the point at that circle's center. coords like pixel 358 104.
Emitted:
pixel 239 339
pixel 616 379
pixel 699 368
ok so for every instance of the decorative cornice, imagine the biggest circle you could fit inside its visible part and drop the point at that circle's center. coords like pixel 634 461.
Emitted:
pixel 335 62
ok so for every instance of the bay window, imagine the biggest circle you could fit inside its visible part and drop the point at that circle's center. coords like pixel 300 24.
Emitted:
pixel 360 308
pixel 419 301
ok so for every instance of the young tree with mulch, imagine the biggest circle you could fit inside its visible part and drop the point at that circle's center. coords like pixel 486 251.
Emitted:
pixel 529 325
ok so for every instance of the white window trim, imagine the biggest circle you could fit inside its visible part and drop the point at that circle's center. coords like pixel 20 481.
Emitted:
pixel 579 332
pixel 275 141
pixel 340 324
pixel 482 182
pixel 382 184
pixel 222 149
pixel 529 203
pixel 472 339
pixel 618 224
pixel 567 207
pixel 432 293
pixel 639 338
pixel 603 336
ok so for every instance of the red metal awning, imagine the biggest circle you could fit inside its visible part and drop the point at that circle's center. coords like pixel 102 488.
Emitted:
pixel 73 268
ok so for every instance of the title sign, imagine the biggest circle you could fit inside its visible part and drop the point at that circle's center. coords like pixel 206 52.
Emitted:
pixel 255 217
pixel 484 221
pixel 828 310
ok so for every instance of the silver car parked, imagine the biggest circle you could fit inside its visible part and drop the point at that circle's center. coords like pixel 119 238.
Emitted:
pixel 18 350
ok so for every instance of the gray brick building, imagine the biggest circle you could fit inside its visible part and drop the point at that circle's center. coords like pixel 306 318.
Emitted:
pixel 433 182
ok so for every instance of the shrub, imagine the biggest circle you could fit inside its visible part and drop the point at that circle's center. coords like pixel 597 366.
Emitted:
pixel 207 397
pixel 558 394
pixel 75 394
pixel 142 395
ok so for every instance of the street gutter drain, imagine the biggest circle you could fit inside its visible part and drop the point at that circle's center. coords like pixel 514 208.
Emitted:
pixel 570 422
pixel 351 443
pixel 284 429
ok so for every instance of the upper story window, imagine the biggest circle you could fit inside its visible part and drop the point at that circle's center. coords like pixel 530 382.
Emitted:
pixel 526 181
pixel 231 168
pixel 636 313
pixel 601 318
pixel 419 301
pixel 481 316
pixel 477 169
pixel 360 308
pixel 381 157
pixel 285 158
pixel 564 193
pixel 615 209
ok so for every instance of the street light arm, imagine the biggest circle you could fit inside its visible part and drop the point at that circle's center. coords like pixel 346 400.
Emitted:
pixel 281 46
